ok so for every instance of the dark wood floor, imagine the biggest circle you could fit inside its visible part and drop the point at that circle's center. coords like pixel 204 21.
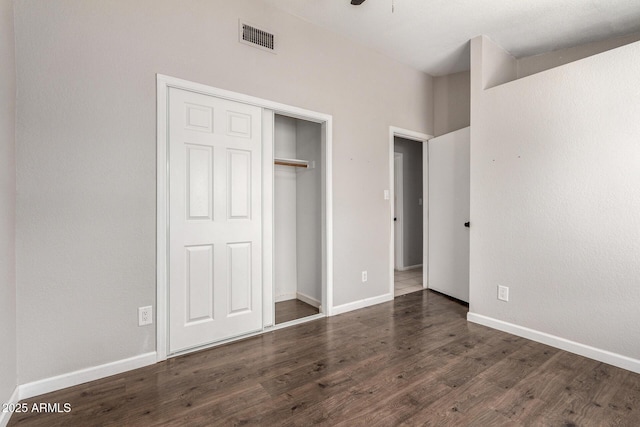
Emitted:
pixel 293 309
pixel 413 361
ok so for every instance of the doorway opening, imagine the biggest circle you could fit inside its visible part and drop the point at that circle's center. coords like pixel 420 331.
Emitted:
pixel 408 219
pixel 298 219
pixel 409 211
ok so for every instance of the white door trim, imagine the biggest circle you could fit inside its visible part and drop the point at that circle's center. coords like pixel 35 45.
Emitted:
pixel 268 307
pixel 424 138
pixel 398 205
pixel 163 83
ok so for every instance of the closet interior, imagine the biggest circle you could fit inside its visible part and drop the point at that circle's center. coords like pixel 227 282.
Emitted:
pixel 298 218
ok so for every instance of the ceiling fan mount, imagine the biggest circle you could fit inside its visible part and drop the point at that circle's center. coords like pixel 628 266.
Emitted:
pixel 359 2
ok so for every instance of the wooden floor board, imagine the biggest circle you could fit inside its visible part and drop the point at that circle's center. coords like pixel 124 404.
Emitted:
pixel 413 361
pixel 293 309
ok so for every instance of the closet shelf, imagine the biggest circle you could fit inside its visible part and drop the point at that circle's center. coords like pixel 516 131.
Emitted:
pixel 291 162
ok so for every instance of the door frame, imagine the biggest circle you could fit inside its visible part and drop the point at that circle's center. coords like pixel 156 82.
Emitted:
pixel 423 138
pixel 398 202
pixel 163 83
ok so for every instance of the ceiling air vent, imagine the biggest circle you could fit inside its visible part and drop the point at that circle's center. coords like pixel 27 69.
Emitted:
pixel 256 37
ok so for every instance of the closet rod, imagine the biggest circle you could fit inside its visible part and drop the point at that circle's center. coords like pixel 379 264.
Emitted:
pixel 291 162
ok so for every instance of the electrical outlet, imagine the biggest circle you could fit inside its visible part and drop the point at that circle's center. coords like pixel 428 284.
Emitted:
pixel 503 293
pixel 145 315
pixel 386 194
pixel 364 276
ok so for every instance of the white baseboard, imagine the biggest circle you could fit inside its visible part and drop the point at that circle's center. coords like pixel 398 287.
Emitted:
pixel 285 297
pixel 344 308
pixel 307 299
pixel 59 382
pixel 6 416
pixel 600 355
pixel 410 267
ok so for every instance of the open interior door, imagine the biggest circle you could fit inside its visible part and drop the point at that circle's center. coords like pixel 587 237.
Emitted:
pixel 449 214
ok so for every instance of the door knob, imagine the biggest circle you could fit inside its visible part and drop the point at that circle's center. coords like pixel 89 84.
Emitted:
pixel 467 224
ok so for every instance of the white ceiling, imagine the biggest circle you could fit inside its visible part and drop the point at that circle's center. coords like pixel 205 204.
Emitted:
pixel 433 35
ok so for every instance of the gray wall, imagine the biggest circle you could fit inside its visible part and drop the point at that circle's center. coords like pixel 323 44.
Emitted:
pixel 285 265
pixel 555 197
pixel 86 158
pixel 412 210
pixel 309 210
pixel 537 63
pixel 452 93
pixel 7 204
pixel 451 102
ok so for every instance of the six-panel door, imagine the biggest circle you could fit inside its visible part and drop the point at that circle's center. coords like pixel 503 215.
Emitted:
pixel 215 219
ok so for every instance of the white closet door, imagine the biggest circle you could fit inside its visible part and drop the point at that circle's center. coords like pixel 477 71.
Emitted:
pixel 448 213
pixel 215 279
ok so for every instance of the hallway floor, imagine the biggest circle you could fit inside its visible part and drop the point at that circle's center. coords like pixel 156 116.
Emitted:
pixel 407 281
